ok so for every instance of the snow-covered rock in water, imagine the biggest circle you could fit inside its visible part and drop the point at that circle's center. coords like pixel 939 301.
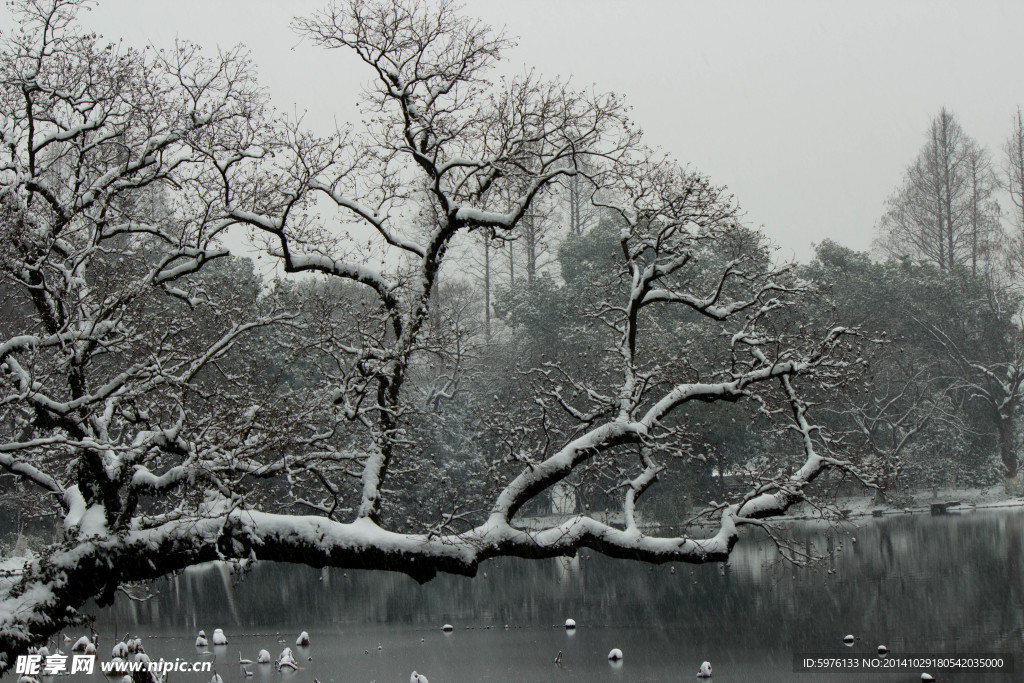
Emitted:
pixel 119 665
pixel 201 640
pixel 43 652
pixel 27 679
pixel 81 644
pixel 616 654
pixel 302 640
pixel 570 623
pixel 417 678
pixel 447 627
pixel 263 657
pixel 120 650
pixel 219 638
pixel 287 659
pixel 705 670
pixel 142 657
pixel 138 645
pixel 127 679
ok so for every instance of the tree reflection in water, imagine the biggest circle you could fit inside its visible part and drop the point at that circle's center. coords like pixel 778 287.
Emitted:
pixel 919 584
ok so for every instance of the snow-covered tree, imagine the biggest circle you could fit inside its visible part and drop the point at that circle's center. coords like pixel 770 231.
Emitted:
pixel 172 418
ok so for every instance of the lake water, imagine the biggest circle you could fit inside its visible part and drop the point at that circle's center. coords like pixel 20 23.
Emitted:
pixel 920 584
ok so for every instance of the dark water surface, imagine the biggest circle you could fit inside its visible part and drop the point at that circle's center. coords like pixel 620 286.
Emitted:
pixel 943 585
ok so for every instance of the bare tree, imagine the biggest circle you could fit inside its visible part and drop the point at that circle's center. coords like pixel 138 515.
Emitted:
pixel 994 381
pixel 1014 169
pixel 944 213
pixel 893 417
pixel 155 464
pixel 578 196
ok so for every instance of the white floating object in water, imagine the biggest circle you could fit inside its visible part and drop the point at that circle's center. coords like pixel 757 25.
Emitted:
pixel 302 640
pixel 417 678
pixel 882 650
pixel 570 623
pixel 287 659
pixel 447 628
pixel 705 670
pixel 927 677
pixel 263 657
pixel 219 638
pixel 848 639
pixel 201 640
pixel 615 654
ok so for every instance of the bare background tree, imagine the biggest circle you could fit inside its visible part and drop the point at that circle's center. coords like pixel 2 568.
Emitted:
pixel 945 213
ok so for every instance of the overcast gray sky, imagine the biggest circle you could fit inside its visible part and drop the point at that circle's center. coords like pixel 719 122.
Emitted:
pixel 808 111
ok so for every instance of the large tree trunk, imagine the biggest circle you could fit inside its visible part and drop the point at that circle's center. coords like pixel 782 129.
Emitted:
pixel 487 288
pixel 1008 453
